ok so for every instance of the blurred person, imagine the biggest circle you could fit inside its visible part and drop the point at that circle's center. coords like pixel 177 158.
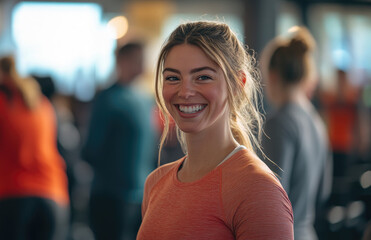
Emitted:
pixel 33 183
pixel 220 189
pixel 120 148
pixel 364 127
pixel 47 85
pixel 68 143
pixel 295 141
pixel 367 232
pixel 341 104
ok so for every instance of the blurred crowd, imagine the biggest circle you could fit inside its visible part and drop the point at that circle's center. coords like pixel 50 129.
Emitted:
pixel 82 165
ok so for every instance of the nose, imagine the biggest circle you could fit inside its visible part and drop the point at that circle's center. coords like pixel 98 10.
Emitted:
pixel 186 89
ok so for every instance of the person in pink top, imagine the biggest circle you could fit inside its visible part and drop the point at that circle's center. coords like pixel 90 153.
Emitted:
pixel 206 81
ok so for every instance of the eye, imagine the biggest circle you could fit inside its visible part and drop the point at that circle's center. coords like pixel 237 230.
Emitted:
pixel 171 78
pixel 203 77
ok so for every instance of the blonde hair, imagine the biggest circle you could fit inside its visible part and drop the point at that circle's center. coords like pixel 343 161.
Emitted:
pixel 222 46
pixel 28 87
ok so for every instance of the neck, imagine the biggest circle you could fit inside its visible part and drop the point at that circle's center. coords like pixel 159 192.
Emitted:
pixel 291 94
pixel 207 149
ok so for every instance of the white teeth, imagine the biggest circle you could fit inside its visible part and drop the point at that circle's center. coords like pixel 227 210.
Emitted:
pixel 191 109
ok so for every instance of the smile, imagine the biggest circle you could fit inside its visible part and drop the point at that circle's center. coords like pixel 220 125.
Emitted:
pixel 190 109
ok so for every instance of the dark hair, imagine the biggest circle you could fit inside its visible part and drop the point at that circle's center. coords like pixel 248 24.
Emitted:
pixel 47 85
pixel 128 48
pixel 7 64
pixel 27 87
pixel 291 59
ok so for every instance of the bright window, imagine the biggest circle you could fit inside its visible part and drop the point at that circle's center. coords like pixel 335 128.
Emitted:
pixel 343 35
pixel 68 41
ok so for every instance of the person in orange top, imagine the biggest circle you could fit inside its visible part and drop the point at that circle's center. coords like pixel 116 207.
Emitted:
pixel 220 189
pixel 341 113
pixel 342 105
pixel 33 184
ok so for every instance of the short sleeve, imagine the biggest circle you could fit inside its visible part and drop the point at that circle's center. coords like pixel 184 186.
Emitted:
pixel 147 189
pixel 255 204
pixel 265 214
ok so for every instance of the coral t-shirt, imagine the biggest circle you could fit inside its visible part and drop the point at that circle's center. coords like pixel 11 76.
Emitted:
pixel 239 199
pixel 30 164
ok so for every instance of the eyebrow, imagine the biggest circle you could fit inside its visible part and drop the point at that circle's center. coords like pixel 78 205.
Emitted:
pixel 192 71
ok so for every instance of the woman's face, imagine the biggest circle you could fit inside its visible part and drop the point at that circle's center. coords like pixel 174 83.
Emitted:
pixel 195 90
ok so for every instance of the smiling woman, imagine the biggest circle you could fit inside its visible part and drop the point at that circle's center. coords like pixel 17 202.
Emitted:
pixel 220 189
pixel 195 91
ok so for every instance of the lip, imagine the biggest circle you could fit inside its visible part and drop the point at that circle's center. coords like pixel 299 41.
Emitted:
pixel 190 115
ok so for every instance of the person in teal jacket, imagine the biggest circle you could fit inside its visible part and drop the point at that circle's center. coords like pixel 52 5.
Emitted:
pixel 120 148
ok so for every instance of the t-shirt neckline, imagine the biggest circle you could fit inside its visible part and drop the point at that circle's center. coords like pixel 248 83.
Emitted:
pixel 231 155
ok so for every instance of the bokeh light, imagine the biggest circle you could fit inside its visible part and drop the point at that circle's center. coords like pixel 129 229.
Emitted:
pixel 119 26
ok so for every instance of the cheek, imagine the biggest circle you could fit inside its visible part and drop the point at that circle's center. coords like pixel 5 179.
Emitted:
pixel 166 93
pixel 217 95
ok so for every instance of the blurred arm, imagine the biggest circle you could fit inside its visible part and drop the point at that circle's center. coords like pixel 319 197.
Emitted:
pixel 279 147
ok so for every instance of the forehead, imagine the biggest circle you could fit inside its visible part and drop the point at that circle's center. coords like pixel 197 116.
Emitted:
pixel 188 56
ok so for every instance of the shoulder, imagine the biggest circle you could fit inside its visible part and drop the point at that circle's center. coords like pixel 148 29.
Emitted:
pixel 101 98
pixel 317 120
pixel 106 93
pixel 253 198
pixel 247 170
pixel 247 178
pixel 159 173
pixel 46 105
pixel 111 99
pixel 286 121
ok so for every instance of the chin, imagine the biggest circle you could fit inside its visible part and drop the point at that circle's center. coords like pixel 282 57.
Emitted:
pixel 189 129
